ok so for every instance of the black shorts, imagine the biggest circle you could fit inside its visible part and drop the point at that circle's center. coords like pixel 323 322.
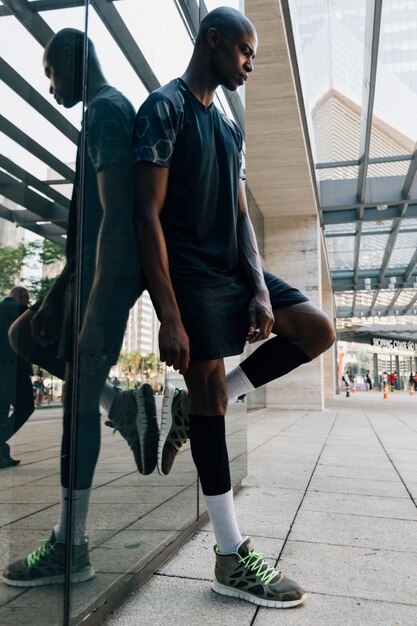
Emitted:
pixel 114 321
pixel 216 318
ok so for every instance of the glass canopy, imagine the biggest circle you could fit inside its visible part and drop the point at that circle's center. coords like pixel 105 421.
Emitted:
pixel 360 109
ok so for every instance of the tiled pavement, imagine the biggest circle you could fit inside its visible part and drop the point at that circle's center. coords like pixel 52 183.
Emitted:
pixel 330 494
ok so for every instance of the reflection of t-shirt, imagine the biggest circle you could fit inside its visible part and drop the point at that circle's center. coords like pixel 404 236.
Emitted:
pixel 109 123
pixel 202 149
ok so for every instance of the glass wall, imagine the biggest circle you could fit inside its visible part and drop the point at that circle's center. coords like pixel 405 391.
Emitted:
pixel 85 515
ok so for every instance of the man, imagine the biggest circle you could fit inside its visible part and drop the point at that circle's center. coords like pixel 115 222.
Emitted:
pixel 15 382
pixel 100 282
pixel 201 263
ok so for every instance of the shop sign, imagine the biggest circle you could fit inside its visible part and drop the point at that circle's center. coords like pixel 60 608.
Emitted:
pixel 394 344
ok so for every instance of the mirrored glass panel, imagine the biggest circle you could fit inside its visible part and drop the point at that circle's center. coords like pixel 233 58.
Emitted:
pixel 40 123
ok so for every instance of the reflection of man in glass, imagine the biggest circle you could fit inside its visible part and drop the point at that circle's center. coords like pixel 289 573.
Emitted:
pixel 102 250
pixel 15 382
pixel 205 278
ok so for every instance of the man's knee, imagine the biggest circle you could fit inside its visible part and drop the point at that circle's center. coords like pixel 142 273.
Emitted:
pixel 329 333
pixel 209 397
pixel 324 334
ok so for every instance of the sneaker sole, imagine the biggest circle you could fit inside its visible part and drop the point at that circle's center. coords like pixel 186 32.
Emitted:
pixel 148 437
pixel 243 595
pixel 78 577
pixel 166 423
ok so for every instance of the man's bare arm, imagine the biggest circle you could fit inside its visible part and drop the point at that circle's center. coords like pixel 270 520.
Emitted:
pixel 151 182
pixel 116 191
pixel 261 317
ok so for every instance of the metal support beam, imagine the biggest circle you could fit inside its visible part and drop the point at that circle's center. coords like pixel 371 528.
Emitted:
pixel 35 148
pixel 371 214
pixel 17 192
pixel 392 302
pixel 38 102
pixel 49 231
pixel 387 255
pixel 411 268
pixel 410 305
pixel 34 182
pixel 46 5
pixel 371 45
pixel 371 161
pixel 411 175
pixel 124 39
pixel 33 22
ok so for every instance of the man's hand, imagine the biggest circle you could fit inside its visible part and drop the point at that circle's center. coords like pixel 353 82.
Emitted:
pixel 174 345
pixel 261 317
pixel 44 324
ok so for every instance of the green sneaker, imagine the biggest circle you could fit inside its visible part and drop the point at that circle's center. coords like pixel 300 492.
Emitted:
pixel 246 575
pixel 46 566
pixel 133 414
pixel 175 427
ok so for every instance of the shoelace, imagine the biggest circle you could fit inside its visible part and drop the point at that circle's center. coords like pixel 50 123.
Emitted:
pixel 254 562
pixel 46 547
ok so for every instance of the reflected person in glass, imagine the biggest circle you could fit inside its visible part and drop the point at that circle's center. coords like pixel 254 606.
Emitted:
pixel 101 277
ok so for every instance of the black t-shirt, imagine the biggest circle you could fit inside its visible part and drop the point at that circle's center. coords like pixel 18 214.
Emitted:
pixel 109 124
pixel 202 149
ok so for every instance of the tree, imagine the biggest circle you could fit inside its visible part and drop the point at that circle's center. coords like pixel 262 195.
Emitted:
pixel 11 264
pixel 129 363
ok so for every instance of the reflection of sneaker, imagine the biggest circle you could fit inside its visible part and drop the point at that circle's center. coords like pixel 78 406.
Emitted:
pixel 133 414
pixel 175 427
pixel 244 574
pixel 46 566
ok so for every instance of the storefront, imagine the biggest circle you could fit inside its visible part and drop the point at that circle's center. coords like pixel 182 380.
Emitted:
pixel 377 350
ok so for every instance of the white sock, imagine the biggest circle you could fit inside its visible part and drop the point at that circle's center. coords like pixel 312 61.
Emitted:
pixel 221 510
pixel 107 396
pixel 237 383
pixel 80 502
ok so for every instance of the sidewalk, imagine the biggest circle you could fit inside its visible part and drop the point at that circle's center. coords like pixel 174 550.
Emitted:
pixel 331 494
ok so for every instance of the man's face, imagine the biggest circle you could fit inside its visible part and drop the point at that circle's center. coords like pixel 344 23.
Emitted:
pixel 63 82
pixel 233 59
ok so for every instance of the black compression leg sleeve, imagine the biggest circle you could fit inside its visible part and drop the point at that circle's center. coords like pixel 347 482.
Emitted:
pixel 209 451
pixel 87 449
pixel 273 359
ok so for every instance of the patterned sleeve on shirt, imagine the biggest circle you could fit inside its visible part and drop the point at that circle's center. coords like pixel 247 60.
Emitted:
pixel 109 133
pixel 156 129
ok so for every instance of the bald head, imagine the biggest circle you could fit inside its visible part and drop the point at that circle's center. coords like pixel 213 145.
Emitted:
pixel 228 22
pixel 20 294
pixel 224 50
pixel 63 63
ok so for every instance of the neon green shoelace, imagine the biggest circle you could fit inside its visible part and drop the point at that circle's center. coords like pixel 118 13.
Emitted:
pixel 46 547
pixel 254 562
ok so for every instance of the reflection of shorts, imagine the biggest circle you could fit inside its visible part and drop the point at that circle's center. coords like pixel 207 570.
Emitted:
pixel 216 318
pixel 115 321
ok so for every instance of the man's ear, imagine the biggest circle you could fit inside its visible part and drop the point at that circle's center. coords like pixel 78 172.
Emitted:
pixel 213 37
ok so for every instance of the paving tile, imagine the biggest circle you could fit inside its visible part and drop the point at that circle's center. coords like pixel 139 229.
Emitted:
pixel 181 602
pixel 354 530
pixel 363 573
pixel 358 486
pixel 376 506
pixel 325 610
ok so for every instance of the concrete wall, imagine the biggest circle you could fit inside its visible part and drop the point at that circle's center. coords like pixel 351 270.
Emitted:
pixel 327 304
pixel 292 252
